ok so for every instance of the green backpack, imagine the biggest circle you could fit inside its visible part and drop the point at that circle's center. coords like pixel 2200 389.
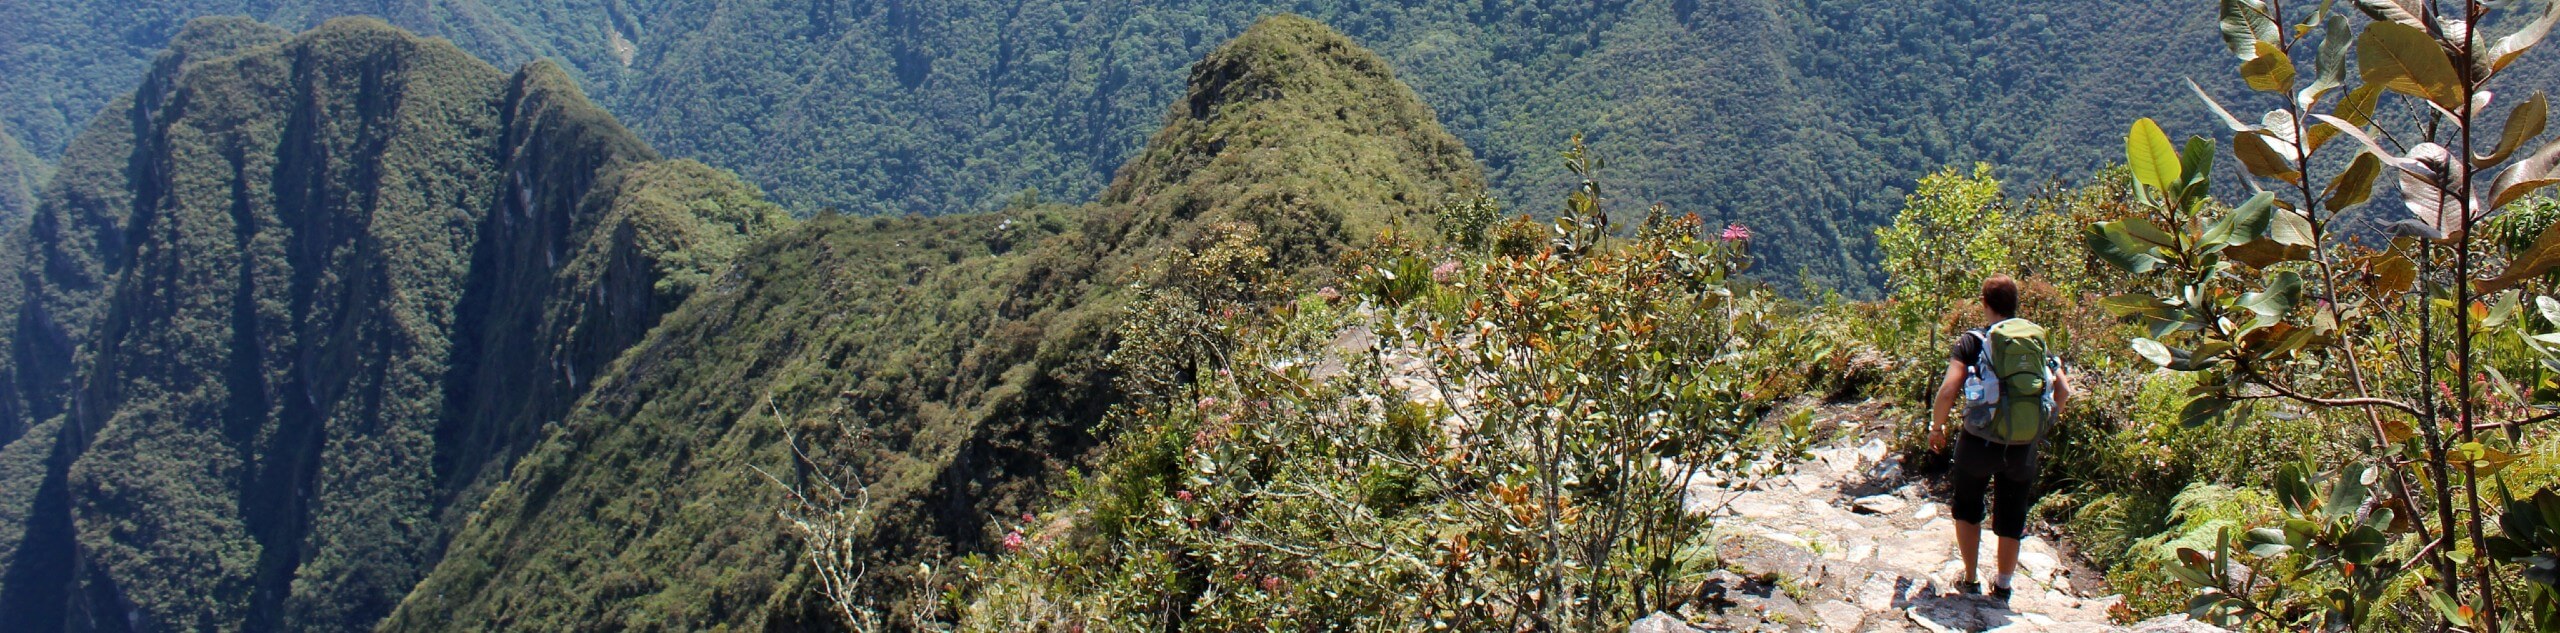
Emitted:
pixel 2009 396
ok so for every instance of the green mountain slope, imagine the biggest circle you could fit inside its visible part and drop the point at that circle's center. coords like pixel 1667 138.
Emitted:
pixel 1808 119
pixel 21 176
pixel 964 356
pixel 280 285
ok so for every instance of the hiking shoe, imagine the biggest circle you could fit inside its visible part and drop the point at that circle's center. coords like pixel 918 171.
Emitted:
pixel 1968 587
pixel 2000 593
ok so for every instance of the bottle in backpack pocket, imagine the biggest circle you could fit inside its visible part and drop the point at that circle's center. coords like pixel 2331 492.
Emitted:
pixel 2009 396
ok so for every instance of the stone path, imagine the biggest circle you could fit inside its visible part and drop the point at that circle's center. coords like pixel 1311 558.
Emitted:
pixel 1842 541
pixel 1845 541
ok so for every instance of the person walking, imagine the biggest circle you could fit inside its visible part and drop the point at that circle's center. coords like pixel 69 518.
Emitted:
pixel 2010 388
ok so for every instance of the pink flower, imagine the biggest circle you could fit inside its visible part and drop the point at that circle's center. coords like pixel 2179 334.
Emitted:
pixel 1184 495
pixel 1446 271
pixel 1736 232
pixel 1329 294
pixel 1026 517
pixel 1013 541
pixel 1208 402
pixel 1271 583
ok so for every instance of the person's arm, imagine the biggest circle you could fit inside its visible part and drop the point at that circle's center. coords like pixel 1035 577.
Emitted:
pixel 2061 387
pixel 1948 390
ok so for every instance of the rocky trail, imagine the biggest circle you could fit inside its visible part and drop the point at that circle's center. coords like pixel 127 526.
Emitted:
pixel 1847 540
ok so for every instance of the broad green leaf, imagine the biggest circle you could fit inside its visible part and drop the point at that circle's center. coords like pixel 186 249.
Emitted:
pixel 2348 493
pixel 2196 174
pixel 2355 110
pixel 2397 11
pixel 2283 292
pixel 2288 239
pixel 2245 23
pixel 2133 304
pixel 2148 233
pixel 2262 159
pixel 2154 161
pixel 2395 275
pixel 2244 223
pixel 2293 490
pixel 2329 69
pixel 2218 111
pixel 2522 125
pixel 2406 60
pixel 2515 44
pixel 2204 410
pixel 2454 612
pixel 2153 351
pixel 2355 185
pixel 2270 71
pixel 2264 542
pixel 2109 242
pixel 2542 169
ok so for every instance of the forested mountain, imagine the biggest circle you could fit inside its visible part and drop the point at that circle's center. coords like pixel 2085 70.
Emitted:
pixel 966 358
pixel 291 302
pixel 21 175
pixel 1807 119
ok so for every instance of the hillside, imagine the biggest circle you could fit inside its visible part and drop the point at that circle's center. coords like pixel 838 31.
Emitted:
pixel 1806 119
pixel 21 176
pixel 965 359
pixel 279 280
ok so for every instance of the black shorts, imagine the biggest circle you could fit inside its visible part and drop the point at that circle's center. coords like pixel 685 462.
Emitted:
pixel 2008 472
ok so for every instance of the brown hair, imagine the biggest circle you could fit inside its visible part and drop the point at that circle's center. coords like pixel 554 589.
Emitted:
pixel 2000 294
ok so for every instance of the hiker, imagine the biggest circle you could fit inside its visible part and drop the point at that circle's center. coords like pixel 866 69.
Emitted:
pixel 2010 388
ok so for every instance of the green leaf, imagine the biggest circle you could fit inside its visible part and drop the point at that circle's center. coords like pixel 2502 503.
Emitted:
pixel 2244 223
pixel 2522 125
pixel 2542 169
pixel 2406 60
pixel 2444 604
pixel 2197 169
pixel 2153 351
pixel 2288 239
pixel 2283 292
pixel 2265 542
pixel 2396 11
pixel 2244 25
pixel 2515 44
pixel 2348 493
pixel 2329 69
pixel 2203 410
pixel 2154 161
pixel 2293 489
pixel 2270 71
pixel 2262 159
pixel 2354 186
pixel 2355 109
pixel 2109 242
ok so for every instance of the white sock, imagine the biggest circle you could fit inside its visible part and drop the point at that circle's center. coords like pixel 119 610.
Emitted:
pixel 2000 581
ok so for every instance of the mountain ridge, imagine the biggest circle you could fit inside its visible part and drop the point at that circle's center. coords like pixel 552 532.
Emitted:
pixel 264 313
pixel 968 357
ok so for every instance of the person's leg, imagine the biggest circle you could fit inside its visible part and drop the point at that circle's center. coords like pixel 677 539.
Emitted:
pixel 1968 481
pixel 2015 494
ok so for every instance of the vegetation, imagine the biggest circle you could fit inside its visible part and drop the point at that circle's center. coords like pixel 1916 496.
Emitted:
pixel 945 370
pixel 957 106
pixel 257 280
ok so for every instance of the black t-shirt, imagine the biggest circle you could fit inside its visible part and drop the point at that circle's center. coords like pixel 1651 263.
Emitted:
pixel 1968 349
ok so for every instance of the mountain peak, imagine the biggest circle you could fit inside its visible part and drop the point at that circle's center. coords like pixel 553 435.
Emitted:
pixel 1297 129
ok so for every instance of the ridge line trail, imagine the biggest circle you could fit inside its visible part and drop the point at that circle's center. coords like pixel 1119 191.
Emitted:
pixel 1842 538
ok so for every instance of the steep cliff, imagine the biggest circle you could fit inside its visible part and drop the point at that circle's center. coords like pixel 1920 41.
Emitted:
pixel 285 297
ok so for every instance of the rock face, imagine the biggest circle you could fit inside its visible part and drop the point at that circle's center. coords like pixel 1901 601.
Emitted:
pixel 254 307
